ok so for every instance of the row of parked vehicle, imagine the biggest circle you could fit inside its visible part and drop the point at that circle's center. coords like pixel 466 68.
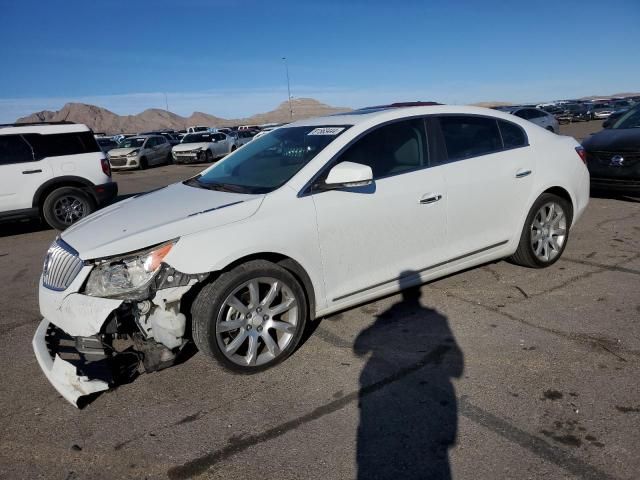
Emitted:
pixel 568 111
pixel 195 144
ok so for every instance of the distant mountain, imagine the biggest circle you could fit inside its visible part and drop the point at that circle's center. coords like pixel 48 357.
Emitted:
pixel 102 120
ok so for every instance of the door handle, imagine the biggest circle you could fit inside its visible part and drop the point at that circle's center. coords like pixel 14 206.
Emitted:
pixel 522 173
pixel 27 172
pixel 431 198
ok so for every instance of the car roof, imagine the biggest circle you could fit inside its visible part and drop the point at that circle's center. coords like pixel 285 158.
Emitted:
pixel 384 113
pixel 43 128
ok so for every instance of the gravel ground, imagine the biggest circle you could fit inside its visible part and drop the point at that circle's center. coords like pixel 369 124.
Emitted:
pixel 496 372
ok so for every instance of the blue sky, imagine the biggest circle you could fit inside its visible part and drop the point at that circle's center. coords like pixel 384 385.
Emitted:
pixel 224 57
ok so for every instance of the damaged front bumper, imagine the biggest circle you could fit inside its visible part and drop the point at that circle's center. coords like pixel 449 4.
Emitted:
pixel 62 374
pixel 85 345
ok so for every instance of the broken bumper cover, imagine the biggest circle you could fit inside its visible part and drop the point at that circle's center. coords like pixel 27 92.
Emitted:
pixel 62 374
pixel 85 344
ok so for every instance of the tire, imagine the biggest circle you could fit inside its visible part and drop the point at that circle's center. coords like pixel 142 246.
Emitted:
pixel 66 205
pixel 143 164
pixel 249 324
pixel 209 156
pixel 169 158
pixel 547 249
pixel 233 148
pixel 550 128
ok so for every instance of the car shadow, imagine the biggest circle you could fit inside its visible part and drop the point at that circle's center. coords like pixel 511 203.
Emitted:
pixel 9 228
pixel 407 402
pixel 615 196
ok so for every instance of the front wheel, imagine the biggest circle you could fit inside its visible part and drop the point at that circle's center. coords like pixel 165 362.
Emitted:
pixel 545 233
pixel 65 206
pixel 251 318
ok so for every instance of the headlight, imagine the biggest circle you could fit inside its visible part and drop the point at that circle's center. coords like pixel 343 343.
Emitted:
pixel 127 277
pixel 134 153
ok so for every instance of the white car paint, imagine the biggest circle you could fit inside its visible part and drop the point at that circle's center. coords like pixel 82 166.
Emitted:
pixel 21 180
pixel 155 151
pixel 354 246
pixel 219 144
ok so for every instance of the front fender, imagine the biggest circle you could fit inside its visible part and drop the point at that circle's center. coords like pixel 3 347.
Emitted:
pixel 268 232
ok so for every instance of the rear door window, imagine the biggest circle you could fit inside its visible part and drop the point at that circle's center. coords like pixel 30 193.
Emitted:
pixel 14 149
pixel 468 136
pixel 59 144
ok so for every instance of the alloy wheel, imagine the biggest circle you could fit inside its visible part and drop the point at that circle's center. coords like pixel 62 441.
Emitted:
pixel 548 231
pixel 257 321
pixel 68 209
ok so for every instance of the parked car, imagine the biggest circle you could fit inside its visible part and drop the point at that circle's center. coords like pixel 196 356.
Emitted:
pixel 140 152
pixel 198 128
pixel 245 136
pixel 613 155
pixel 534 115
pixel 202 147
pixel 54 171
pixel 575 112
pixel 169 135
pixel 106 143
pixel 613 118
pixel 599 111
pixel 246 254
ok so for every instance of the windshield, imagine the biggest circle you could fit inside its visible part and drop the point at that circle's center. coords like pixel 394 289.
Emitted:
pixel 631 119
pixel 132 142
pixel 268 162
pixel 197 137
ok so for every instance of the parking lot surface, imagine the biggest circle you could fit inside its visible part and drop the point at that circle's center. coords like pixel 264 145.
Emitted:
pixel 496 372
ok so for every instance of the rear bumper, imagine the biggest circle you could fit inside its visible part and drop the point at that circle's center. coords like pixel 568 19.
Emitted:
pixel 616 185
pixel 105 193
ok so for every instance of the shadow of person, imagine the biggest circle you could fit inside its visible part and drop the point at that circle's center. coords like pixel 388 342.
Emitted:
pixel 408 409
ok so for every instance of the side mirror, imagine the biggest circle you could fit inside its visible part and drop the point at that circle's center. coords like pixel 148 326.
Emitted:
pixel 348 174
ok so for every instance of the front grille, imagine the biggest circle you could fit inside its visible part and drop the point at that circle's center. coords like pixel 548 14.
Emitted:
pixel 61 266
pixel 118 162
pixel 604 158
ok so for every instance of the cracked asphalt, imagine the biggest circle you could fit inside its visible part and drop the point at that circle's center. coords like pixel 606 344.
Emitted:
pixel 496 372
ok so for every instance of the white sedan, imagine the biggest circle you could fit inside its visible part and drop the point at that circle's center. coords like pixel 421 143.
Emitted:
pixel 202 147
pixel 316 217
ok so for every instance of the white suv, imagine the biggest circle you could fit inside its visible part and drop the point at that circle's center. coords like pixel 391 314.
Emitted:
pixel 315 217
pixel 55 171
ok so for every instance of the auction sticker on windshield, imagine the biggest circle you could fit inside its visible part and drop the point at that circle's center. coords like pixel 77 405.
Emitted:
pixel 326 131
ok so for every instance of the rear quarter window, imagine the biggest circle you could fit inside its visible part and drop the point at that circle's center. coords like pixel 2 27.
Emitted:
pixel 513 136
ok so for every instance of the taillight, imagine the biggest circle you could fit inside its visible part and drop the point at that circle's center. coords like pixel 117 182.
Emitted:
pixel 582 153
pixel 106 166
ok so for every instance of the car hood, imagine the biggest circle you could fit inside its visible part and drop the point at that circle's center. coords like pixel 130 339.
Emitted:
pixel 122 151
pixel 184 147
pixel 614 140
pixel 155 217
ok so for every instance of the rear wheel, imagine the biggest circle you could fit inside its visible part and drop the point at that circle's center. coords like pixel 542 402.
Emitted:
pixel 65 206
pixel 251 318
pixel 209 156
pixel 143 164
pixel 545 233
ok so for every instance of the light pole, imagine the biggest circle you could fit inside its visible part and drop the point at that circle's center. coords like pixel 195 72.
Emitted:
pixel 166 102
pixel 286 66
